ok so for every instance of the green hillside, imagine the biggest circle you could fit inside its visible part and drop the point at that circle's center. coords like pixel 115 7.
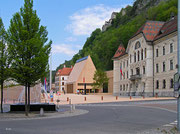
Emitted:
pixel 101 46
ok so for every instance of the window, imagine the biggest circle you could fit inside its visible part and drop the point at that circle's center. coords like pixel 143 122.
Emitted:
pixel 120 76
pixel 130 58
pixel 171 83
pixel 137 71
pixel 134 57
pixel 157 84
pixel 127 63
pixel 124 75
pixel 171 64
pixel 157 68
pixel 123 87
pixel 131 71
pixel 137 45
pixel 62 83
pixel 164 83
pixel 127 75
pixel 164 66
pixel 138 56
pixel 157 53
pixel 120 87
pixel 124 64
pixel 62 78
pixel 164 51
pixel 142 54
pixel 171 47
pixel 126 87
pixel 144 70
pixel 145 53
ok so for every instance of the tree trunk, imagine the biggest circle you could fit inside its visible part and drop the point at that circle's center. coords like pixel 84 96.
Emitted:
pixel 29 100
pixel 1 97
pixel 26 108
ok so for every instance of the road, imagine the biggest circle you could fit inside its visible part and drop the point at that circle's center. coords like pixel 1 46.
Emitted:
pixel 109 118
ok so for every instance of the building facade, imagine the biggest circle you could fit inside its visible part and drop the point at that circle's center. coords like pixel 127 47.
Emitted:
pixel 82 73
pixel 148 64
pixel 61 78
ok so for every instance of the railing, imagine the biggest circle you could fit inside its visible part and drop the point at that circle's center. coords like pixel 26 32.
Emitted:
pixel 134 77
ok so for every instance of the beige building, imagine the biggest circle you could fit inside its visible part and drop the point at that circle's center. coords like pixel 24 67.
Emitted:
pixel 83 72
pixel 148 64
pixel 110 81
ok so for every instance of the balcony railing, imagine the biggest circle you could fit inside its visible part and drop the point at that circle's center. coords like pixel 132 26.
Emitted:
pixel 134 77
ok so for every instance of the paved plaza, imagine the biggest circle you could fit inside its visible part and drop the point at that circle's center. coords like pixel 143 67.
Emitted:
pixel 100 98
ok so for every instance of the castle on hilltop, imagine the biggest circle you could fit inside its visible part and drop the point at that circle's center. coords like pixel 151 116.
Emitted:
pixel 108 23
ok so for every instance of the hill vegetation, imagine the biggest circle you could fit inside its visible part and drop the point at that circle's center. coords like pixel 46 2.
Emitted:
pixel 101 46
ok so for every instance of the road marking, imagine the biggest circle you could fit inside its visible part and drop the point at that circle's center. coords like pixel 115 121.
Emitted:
pixel 173 123
pixel 8 129
pixel 167 125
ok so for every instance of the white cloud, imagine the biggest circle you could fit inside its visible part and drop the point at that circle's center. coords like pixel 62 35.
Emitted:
pixel 70 39
pixel 66 49
pixel 88 19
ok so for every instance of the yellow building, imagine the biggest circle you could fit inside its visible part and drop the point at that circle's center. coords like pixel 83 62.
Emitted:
pixel 82 73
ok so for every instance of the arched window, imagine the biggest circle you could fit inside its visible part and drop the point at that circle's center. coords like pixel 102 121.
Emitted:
pixel 138 56
pixel 157 84
pixel 164 51
pixel 142 54
pixel 134 57
pixel 137 45
pixel 164 83
pixel 171 47
pixel 171 83
pixel 145 53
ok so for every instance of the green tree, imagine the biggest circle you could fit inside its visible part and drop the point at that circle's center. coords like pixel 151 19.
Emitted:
pixel 100 78
pixel 4 60
pixel 28 47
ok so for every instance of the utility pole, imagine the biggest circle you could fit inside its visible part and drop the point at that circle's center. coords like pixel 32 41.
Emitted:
pixel 50 83
pixel 178 99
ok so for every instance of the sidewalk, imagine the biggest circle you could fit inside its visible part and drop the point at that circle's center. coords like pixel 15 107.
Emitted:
pixel 99 98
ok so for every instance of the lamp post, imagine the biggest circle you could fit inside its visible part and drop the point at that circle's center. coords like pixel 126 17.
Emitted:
pixel 50 80
pixel 178 57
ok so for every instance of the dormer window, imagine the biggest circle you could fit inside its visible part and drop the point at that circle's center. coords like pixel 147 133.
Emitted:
pixel 137 45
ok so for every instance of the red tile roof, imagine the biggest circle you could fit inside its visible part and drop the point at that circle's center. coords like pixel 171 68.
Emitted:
pixel 150 29
pixel 66 71
pixel 169 27
pixel 120 51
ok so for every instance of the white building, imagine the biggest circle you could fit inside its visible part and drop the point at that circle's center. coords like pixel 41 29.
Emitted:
pixel 61 78
pixel 149 62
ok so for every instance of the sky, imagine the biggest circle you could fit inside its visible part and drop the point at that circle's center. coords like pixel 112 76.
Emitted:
pixel 69 22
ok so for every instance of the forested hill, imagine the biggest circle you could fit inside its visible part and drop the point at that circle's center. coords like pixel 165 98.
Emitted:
pixel 101 46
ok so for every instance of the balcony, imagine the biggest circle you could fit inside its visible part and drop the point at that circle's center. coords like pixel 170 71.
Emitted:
pixel 134 77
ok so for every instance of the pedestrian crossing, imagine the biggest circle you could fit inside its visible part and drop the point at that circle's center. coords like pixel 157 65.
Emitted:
pixel 171 124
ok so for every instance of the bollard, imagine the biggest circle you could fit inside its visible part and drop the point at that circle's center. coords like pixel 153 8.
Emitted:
pixel 51 99
pixel 41 112
pixel 130 97
pixel 116 97
pixel 67 98
pixel 84 98
pixel 102 98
